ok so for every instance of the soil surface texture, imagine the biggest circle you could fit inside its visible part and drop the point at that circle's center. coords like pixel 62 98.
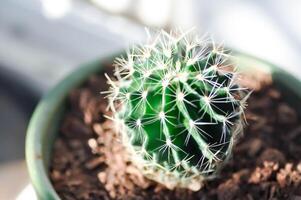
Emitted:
pixel 89 161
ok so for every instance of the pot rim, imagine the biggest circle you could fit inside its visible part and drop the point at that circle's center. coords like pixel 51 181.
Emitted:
pixel 49 105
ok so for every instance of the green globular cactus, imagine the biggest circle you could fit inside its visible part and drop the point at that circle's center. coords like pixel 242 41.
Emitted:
pixel 178 107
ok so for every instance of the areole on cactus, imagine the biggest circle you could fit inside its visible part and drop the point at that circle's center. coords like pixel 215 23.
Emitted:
pixel 178 107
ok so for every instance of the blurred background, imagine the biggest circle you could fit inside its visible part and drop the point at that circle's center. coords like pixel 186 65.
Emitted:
pixel 41 41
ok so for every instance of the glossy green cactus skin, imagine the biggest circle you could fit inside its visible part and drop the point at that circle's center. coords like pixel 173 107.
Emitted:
pixel 178 108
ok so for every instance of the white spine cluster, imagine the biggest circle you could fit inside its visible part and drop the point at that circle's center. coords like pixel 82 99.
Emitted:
pixel 186 87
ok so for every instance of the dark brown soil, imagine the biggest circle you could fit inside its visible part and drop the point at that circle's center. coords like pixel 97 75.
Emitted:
pixel 89 161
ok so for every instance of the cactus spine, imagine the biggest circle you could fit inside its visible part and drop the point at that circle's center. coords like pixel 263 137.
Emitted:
pixel 178 108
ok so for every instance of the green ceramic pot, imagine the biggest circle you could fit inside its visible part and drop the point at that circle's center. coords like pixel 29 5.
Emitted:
pixel 43 126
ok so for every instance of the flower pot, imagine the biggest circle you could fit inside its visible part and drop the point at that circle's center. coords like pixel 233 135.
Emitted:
pixel 43 127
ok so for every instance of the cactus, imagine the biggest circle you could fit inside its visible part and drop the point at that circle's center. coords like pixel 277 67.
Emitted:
pixel 178 107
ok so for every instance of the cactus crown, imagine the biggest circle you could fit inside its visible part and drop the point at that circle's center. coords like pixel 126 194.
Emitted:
pixel 178 107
